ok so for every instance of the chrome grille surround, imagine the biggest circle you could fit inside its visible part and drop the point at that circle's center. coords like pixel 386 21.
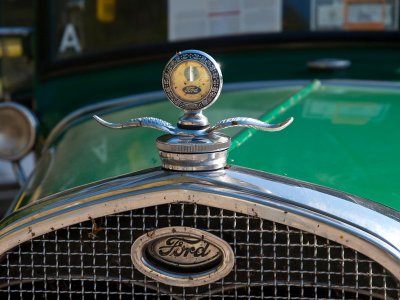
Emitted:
pixel 272 260
pixel 344 219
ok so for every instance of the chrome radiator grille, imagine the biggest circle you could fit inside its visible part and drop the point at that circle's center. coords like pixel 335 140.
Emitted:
pixel 92 260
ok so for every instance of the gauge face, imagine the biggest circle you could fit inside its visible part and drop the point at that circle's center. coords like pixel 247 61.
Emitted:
pixel 192 80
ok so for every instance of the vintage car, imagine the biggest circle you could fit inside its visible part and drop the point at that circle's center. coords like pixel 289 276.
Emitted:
pixel 217 205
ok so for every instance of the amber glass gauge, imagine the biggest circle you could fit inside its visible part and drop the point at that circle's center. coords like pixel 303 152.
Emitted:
pixel 192 80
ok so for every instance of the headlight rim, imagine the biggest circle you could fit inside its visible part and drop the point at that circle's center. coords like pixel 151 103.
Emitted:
pixel 32 121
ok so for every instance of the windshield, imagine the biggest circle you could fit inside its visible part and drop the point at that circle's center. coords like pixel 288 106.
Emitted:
pixel 82 27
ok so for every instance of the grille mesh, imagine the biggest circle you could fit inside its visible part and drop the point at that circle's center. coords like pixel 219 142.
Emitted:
pixel 273 261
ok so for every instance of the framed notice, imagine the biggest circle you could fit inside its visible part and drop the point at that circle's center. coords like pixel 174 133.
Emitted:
pixel 191 19
pixel 354 15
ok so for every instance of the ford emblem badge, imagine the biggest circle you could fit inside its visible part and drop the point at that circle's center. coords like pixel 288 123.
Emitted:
pixel 191 89
pixel 182 256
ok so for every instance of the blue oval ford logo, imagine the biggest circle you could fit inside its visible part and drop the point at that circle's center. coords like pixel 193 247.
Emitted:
pixel 191 89
pixel 182 256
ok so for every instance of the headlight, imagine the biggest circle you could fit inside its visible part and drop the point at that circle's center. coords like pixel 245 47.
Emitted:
pixel 17 131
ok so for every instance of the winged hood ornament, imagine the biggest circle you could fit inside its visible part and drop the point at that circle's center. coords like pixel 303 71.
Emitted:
pixel 192 81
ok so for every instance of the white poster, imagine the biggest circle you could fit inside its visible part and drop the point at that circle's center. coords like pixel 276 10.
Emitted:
pixel 190 19
pixel 328 14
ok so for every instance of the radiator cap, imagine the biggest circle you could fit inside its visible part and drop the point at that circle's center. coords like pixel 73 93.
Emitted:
pixel 192 81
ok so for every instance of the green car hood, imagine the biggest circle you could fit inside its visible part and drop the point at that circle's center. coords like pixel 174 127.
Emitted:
pixel 345 136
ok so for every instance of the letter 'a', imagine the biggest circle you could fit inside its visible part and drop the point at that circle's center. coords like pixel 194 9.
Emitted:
pixel 70 40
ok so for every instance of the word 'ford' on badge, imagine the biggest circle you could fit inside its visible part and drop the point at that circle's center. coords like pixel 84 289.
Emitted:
pixel 191 89
pixel 182 256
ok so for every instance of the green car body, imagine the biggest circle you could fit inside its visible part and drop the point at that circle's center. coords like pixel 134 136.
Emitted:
pixel 339 139
pixel 332 174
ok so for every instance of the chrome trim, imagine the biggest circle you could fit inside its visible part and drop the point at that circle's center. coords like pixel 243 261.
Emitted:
pixel 363 83
pixel 201 144
pixel 15 31
pixel 33 125
pixel 193 119
pixel 164 126
pixel 329 64
pixel 146 122
pixel 191 274
pixel 215 76
pixel 194 150
pixel 340 217
pixel 250 123
pixel 191 162
pixel 198 153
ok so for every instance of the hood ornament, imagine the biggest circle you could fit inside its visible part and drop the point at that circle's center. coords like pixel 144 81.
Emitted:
pixel 192 81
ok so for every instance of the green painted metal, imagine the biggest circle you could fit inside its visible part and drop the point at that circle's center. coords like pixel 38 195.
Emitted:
pixel 270 116
pixel 87 151
pixel 55 97
pixel 344 137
